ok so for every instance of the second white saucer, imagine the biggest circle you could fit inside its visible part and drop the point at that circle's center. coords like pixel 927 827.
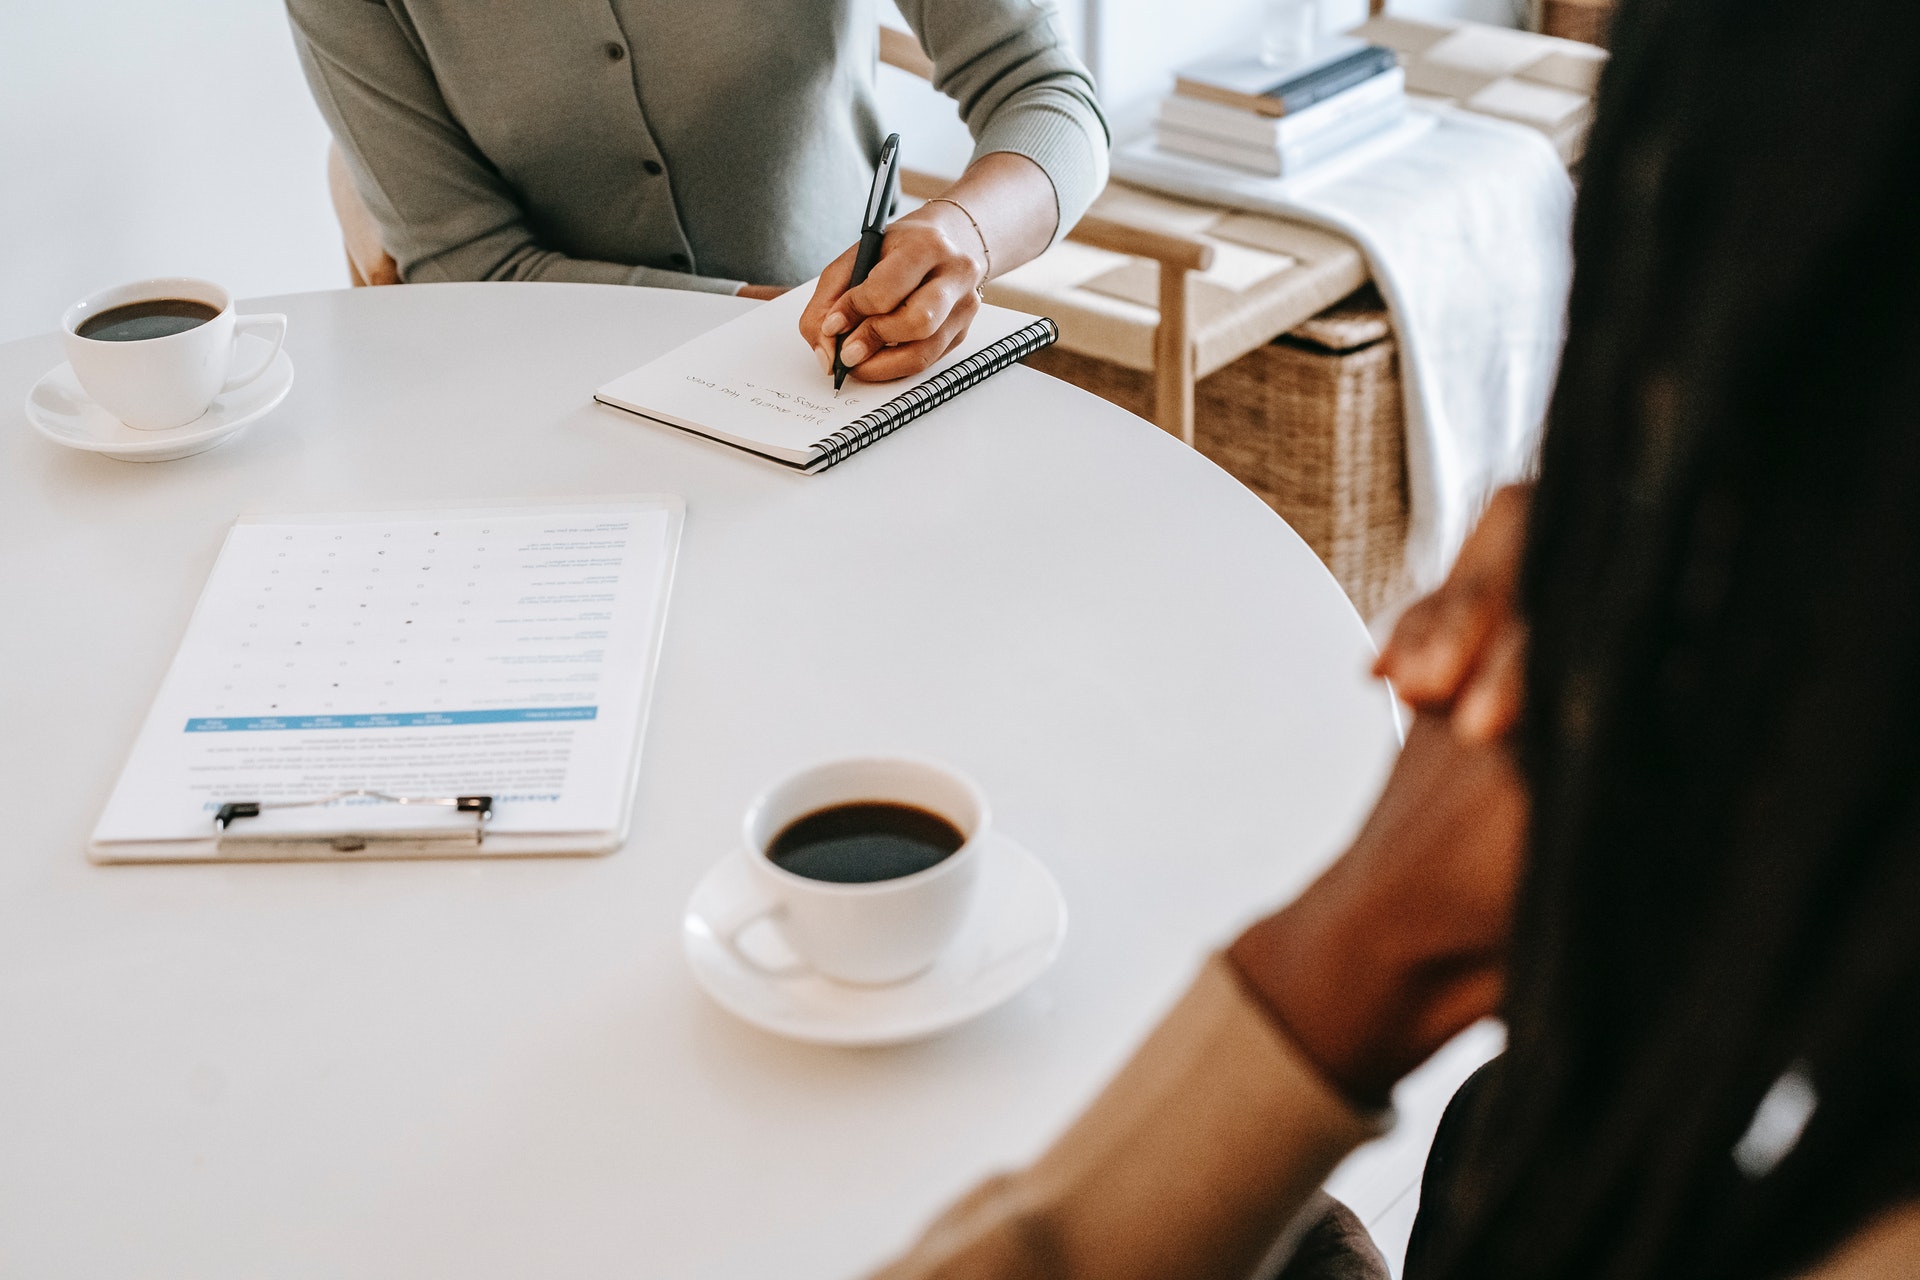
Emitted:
pixel 1010 938
pixel 61 411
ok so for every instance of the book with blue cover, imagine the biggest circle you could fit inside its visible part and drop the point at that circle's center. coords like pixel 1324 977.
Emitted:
pixel 1339 64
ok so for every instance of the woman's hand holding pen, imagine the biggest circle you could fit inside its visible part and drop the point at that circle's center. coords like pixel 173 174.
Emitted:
pixel 912 309
pixel 920 298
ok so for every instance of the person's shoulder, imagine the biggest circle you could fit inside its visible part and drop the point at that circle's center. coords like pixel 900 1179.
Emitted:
pixel 327 12
pixel 340 11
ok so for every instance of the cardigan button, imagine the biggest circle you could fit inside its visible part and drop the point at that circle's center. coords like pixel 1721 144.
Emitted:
pixel 652 167
pixel 615 51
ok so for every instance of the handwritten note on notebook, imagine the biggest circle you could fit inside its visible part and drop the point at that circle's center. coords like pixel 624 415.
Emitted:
pixel 755 384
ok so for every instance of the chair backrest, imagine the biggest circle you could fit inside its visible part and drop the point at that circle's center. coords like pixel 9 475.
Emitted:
pixel 368 261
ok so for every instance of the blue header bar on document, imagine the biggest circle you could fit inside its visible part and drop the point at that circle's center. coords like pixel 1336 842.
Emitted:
pixel 383 720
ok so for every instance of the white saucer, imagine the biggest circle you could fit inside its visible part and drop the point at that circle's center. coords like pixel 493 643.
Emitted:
pixel 1009 939
pixel 61 411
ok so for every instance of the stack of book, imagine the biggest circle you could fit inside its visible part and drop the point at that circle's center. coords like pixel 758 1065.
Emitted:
pixel 1279 120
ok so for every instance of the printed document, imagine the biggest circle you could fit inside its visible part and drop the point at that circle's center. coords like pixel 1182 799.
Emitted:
pixel 507 652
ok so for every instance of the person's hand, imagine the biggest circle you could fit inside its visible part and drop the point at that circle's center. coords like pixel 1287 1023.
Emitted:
pixel 1461 652
pixel 761 292
pixel 1402 942
pixel 913 307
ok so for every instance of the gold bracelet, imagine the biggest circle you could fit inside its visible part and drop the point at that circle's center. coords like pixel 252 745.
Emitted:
pixel 979 290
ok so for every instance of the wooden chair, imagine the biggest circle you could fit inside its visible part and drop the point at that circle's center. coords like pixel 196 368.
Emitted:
pixel 368 261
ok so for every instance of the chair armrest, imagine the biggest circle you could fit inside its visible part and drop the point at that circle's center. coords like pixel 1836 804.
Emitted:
pixel 899 49
pixel 1186 253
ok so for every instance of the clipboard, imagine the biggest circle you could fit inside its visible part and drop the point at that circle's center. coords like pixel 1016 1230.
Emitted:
pixel 548 636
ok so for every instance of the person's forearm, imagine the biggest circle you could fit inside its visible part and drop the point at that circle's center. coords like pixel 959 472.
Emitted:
pixel 1012 201
pixel 1400 944
pixel 1202 1149
pixel 1021 91
pixel 1189 1165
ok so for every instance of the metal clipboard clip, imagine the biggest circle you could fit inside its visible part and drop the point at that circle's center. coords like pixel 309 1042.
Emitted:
pixel 481 807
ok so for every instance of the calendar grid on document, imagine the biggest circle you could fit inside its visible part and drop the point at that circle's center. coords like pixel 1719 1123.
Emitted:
pixel 468 618
pixel 411 655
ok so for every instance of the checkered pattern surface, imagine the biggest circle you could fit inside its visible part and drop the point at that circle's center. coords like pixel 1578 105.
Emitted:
pixel 1539 81
pixel 1268 275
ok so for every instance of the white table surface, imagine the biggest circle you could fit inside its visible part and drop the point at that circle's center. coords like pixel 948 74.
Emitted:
pixel 504 1069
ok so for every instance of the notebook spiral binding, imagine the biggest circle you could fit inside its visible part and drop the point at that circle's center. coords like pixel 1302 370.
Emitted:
pixel 935 391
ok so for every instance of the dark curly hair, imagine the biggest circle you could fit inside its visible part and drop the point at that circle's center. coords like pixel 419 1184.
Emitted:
pixel 1723 588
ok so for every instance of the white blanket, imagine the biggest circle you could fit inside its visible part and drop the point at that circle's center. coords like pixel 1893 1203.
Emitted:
pixel 1465 222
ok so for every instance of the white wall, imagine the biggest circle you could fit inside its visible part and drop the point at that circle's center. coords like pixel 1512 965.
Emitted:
pixel 1132 47
pixel 141 137
pixel 1136 44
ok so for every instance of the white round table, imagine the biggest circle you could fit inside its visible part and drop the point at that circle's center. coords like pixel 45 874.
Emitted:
pixel 504 1069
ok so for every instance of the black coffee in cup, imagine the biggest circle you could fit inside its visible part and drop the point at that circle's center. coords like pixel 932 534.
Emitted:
pixel 863 842
pixel 148 318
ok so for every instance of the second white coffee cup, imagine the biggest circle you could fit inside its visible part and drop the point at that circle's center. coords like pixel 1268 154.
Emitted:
pixel 878 931
pixel 156 383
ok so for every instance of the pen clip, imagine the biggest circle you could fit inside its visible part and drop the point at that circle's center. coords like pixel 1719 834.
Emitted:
pixel 886 186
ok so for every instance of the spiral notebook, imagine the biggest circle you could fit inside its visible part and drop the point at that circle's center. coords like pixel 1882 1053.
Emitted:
pixel 753 383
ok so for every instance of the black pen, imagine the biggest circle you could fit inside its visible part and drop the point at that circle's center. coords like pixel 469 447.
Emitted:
pixel 873 229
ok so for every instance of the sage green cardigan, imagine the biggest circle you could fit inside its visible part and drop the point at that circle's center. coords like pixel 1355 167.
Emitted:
pixel 686 143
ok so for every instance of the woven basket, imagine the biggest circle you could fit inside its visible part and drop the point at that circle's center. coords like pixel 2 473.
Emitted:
pixel 1313 422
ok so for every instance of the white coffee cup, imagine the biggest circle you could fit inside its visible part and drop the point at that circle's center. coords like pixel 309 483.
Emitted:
pixel 879 931
pixel 156 383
